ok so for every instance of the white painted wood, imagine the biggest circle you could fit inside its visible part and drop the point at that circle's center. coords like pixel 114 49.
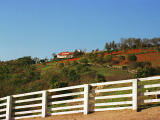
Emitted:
pixel 152 93
pixel 115 108
pixel 151 86
pixel 112 82
pixel 67 101
pixel 113 103
pixel 66 88
pixel 3 104
pixel 67 107
pixel 4 98
pixel 67 112
pixel 27 112
pixel 27 106
pixel 28 100
pixel 3 115
pixel 149 78
pixel 27 94
pixel 9 108
pixel 2 110
pixel 113 96
pixel 66 95
pixel 29 116
pixel 86 99
pixel 44 103
pixel 113 89
pixel 135 94
pixel 151 100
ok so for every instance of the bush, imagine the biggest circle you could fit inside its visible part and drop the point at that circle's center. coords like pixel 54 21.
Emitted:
pixel 83 60
pixel 99 78
pixel 132 57
pixel 108 58
pixel 122 57
pixel 145 72
pixel 61 65
pixel 82 68
pixel 99 60
pixel 74 63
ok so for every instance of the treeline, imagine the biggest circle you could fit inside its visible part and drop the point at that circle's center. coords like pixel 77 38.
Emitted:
pixel 133 43
pixel 16 76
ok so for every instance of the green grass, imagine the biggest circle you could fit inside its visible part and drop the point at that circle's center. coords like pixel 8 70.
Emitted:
pixel 109 71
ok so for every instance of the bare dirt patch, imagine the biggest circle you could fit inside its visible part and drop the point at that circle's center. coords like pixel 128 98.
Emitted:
pixel 146 114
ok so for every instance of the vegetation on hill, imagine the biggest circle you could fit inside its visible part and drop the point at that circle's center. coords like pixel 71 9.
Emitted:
pixel 132 57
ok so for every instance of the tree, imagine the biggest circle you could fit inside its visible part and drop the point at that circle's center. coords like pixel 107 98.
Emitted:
pixel 132 57
pixel 113 45
pixel 122 57
pixel 145 72
pixel 156 42
pixel 108 48
pixel 36 60
pixel 108 58
pixel 124 45
pixel 54 55
pixel 27 60
pixel 84 60
pixel 78 53
pixel 137 42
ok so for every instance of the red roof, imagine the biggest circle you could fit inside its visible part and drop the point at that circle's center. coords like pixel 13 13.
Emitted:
pixel 65 53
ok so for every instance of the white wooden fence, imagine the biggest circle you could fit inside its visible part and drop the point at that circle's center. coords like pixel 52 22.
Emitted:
pixel 116 95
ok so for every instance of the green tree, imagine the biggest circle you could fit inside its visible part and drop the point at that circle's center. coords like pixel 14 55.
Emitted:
pixel 83 60
pixel 132 57
pixel 108 58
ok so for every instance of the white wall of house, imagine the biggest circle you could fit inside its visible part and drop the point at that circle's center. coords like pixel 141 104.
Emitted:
pixel 64 56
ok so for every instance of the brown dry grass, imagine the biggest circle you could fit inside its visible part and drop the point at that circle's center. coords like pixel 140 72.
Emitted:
pixel 147 114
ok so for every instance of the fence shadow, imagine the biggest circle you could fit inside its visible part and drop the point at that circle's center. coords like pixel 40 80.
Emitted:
pixel 146 106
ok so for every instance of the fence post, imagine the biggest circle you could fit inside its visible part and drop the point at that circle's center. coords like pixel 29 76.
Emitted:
pixel 9 108
pixel 141 94
pixel 86 99
pixel 135 94
pixel 44 103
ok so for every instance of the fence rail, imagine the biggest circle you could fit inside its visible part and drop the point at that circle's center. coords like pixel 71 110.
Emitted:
pixel 115 95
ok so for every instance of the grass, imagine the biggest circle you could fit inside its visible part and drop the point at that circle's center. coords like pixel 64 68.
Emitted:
pixel 105 71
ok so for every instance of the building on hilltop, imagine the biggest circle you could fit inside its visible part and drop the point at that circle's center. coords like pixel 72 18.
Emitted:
pixel 65 55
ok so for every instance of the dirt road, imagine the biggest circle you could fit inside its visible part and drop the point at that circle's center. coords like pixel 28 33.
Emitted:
pixel 146 114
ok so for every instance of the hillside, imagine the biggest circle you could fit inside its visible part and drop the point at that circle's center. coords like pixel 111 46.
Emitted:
pixel 88 68
pixel 118 61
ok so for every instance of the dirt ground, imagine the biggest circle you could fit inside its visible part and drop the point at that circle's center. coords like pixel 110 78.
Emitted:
pixel 146 114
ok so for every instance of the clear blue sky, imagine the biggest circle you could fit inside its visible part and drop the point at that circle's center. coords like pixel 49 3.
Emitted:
pixel 38 28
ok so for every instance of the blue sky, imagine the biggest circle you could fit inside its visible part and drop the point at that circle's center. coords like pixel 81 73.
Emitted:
pixel 38 28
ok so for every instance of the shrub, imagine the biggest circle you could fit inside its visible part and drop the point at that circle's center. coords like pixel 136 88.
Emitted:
pixel 99 60
pixel 61 65
pixel 132 57
pixel 99 78
pixel 145 72
pixel 108 58
pixel 84 60
pixel 122 57
pixel 82 68
pixel 74 63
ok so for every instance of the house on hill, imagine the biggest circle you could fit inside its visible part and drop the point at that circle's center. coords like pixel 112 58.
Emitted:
pixel 65 55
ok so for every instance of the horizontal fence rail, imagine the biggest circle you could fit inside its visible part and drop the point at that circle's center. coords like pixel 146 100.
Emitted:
pixel 115 95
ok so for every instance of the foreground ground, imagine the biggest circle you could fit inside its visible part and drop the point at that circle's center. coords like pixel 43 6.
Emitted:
pixel 146 114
